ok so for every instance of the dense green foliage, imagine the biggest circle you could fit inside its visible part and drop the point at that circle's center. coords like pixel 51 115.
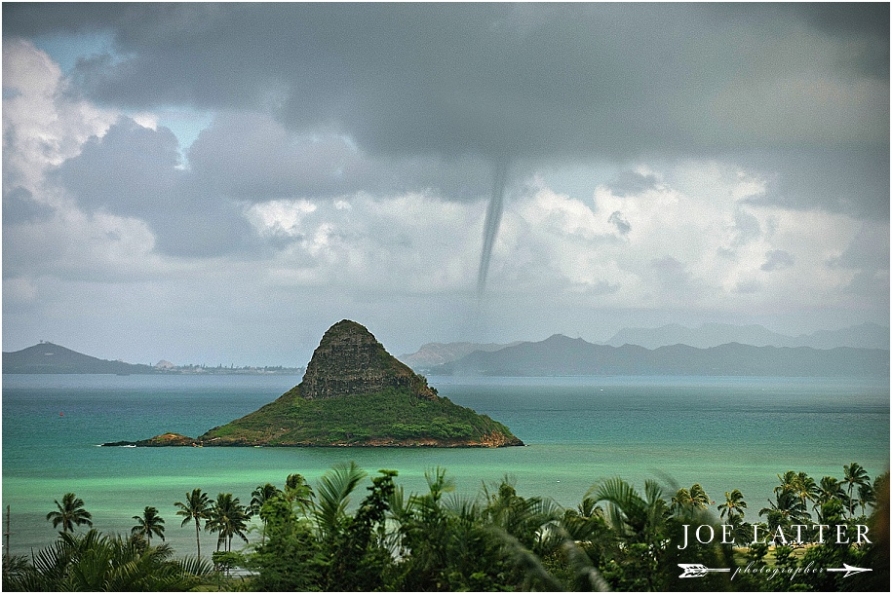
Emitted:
pixel 328 538
pixel 93 562
pixel 389 417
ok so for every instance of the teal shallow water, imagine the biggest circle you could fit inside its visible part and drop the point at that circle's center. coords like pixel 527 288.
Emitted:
pixel 724 433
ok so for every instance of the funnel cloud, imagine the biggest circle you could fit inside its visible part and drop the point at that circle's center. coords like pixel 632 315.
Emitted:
pixel 492 222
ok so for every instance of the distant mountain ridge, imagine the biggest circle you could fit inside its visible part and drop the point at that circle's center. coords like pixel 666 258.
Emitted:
pixel 47 357
pixel 437 353
pixel 563 356
pixel 866 336
pixel 435 357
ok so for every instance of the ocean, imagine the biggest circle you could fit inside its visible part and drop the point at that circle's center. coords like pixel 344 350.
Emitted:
pixel 722 432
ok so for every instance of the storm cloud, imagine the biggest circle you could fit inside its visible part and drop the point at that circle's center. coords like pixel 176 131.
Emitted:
pixel 354 155
pixel 610 81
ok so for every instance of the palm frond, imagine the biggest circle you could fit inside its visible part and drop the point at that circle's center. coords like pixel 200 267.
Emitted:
pixel 334 492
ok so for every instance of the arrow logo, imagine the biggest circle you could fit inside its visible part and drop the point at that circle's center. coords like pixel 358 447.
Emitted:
pixel 848 569
pixel 695 570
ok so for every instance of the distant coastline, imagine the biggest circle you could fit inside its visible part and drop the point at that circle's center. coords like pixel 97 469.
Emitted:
pixel 49 358
pixel 552 357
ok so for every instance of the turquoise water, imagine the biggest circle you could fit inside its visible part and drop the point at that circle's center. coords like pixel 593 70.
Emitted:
pixel 724 433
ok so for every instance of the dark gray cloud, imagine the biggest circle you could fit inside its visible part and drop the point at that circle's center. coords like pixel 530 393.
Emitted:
pixel 746 228
pixel 673 275
pixel 251 157
pixel 19 206
pixel 852 180
pixel 241 159
pixel 603 287
pixel 777 260
pixel 632 183
pixel 603 81
pixel 868 251
pixel 130 169
pixel 617 220
pixel 134 171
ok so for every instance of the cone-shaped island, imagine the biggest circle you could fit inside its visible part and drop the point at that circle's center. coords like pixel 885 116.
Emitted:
pixel 354 393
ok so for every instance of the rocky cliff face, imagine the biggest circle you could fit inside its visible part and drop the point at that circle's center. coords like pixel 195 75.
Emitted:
pixel 349 360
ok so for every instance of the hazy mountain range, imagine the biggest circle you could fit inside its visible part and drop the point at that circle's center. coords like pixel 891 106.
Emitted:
pixel 711 349
pixel 437 353
pixel 563 356
pixel 866 336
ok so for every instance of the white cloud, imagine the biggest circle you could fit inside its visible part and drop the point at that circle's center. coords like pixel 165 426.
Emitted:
pixel 408 243
pixel 42 126
pixel 694 241
pixel 280 217
pixel 73 245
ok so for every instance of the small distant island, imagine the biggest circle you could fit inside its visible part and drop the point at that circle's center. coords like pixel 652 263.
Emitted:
pixel 49 358
pixel 354 393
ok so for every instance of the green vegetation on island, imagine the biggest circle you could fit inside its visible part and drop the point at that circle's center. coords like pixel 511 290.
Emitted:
pixel 391 417
pixel 831 535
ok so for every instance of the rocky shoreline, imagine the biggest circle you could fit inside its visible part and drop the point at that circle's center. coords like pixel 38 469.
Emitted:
pixel 180 441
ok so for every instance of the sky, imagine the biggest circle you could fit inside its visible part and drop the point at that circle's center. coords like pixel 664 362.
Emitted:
pixel 220 183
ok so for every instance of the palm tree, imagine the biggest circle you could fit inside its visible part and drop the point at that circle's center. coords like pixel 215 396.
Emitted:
pixel 799 483
pixel 259 496
pixel 854 475
pixel 693 499
pixel 640 523
pixel 298 491
pixel 149 524
pixel 227 517
pixel 805 488
pixel 532 521
pixel 787 480
pixel 196 508
pixel 70 513
pixel 829 489
pixel 733 507
pixel 866 496
pixel 681 499
pixel 641 519
pixel 584 521
pixel 786 510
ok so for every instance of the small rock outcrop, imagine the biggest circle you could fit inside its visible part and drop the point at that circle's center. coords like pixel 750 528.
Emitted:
pixel 159 441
